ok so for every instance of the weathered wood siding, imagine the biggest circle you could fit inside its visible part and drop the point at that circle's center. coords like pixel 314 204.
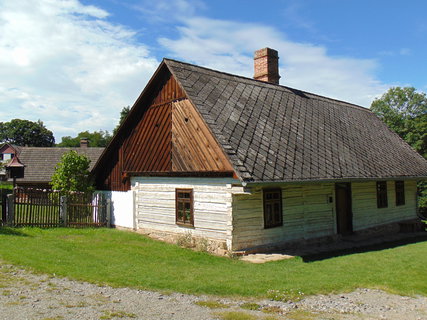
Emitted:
pixel 193 146
pixel 306 214
pixel 155 205
pixel 365 211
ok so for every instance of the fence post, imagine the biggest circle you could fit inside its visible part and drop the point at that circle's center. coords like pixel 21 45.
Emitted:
pixel 10 209
pixel 63 211
pixel 108 207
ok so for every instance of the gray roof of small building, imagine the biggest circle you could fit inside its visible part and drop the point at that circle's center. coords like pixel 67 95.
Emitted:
pixel 276 133
pixel 40 162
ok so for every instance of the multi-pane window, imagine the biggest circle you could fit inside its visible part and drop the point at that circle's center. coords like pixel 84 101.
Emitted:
pixel 184 207
pixel 272 208
pixel 400 193
pixel 382 194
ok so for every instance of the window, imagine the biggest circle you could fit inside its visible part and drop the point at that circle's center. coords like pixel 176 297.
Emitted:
pixel 272 208
pixel 382 194
pixel 400 193
pixel 184 207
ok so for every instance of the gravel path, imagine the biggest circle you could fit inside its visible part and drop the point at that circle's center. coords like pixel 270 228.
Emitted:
pixel 24 295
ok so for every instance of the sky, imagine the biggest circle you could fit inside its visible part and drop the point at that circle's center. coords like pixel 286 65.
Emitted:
pixel 75 64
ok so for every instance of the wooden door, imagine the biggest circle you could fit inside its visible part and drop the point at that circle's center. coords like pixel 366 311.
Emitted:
pixel 343 208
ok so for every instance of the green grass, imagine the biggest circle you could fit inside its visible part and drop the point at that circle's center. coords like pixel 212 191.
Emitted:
pixel 119 258
pixel 6 185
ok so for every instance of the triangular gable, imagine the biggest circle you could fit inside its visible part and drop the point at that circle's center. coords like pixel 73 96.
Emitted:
pixel 8 148
pixel 162 135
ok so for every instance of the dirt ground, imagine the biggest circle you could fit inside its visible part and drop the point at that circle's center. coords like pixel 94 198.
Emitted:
pixel 25 295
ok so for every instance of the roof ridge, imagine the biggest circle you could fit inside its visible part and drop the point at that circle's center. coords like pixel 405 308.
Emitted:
pixel 264 83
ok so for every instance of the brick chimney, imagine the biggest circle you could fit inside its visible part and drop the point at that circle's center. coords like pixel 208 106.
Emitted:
pixel 84 142
pixel 266 65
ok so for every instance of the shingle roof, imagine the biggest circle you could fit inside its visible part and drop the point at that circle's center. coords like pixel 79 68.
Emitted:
pixel 276 133
pixel 40 162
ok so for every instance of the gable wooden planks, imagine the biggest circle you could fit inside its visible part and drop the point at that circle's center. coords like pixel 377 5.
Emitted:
pixel 149 147
pixel 168 137
pixel 193 146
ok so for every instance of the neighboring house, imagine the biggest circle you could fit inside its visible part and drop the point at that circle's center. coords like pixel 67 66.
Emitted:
pixel 7 152
pixel 40 163
pixel 249 163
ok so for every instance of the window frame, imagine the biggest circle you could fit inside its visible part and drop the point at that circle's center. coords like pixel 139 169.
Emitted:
pixel 399 187
pixel 382 198
pixel 184 222
pixel 266 202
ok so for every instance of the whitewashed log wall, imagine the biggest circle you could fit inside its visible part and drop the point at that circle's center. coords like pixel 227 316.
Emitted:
pixel 223 212
pixel 365 211
pixel 307 213
pixel 155 205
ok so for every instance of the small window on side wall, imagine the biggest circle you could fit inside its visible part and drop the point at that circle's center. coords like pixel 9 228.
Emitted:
pixel 273 208
pixel 382 194
pixel 184 207
pixel 400 193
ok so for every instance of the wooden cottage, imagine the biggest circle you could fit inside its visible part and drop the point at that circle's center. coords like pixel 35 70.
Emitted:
pixel 248 163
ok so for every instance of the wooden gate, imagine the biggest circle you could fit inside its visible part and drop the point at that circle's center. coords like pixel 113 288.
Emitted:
pixel 47 208
pixel 36 208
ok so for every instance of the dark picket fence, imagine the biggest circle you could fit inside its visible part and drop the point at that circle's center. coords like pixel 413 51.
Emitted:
pixel 37 208
pixel 47 208
pixel 3 204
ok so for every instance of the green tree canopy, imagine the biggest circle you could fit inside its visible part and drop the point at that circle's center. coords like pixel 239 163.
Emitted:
pixel 96 139
pixel 26 133
pixel 72 173
pixel 123 114
pixel 404 110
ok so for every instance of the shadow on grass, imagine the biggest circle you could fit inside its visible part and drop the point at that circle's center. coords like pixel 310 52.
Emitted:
pixel 12 232
pixel 353 247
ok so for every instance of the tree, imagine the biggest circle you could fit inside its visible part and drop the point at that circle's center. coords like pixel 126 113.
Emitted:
pixel 405 111
pixel 96 139
pixel 123 114
pixel 26 133
pixel 72 173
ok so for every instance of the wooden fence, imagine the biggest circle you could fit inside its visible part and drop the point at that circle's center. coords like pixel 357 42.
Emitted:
pixel 3 204
pixel 47 208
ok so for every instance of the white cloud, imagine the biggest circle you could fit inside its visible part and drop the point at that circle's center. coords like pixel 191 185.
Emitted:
pixel 64 63
pixel 229 46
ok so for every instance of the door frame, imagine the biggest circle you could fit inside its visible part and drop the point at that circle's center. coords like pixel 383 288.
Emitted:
pixel 347 214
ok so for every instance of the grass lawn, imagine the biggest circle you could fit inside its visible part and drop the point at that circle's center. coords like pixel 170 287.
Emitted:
pixel 119 258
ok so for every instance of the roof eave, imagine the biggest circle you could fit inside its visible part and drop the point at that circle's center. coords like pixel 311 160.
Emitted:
pixel 326 180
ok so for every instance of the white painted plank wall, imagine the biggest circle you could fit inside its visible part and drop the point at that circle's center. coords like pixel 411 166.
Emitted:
pixel 365 211
pixel 155 205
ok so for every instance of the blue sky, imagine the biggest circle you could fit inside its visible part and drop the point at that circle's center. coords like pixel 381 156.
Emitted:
pixel 75 64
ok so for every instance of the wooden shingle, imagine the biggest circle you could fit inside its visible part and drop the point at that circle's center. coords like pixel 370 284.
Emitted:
pixel 276 133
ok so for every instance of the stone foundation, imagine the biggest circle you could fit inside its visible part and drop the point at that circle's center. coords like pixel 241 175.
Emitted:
pixel 219 247
pixel 188 240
